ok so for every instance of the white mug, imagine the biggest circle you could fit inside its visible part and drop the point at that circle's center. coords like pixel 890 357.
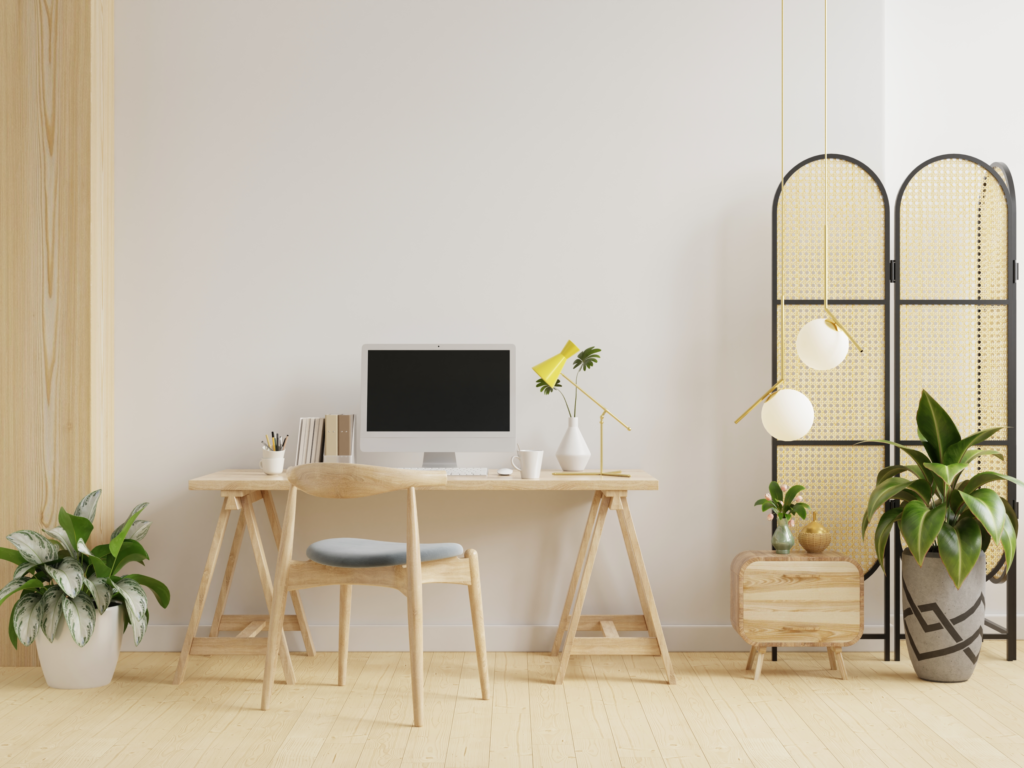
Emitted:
pixel 272 462
pixel 530 464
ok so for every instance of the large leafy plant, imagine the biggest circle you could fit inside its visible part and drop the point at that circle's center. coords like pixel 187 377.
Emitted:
pixel 584 361
pixel 59 577
pixel 936 503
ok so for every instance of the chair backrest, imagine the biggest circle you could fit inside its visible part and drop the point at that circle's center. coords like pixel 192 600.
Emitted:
pixel 352 481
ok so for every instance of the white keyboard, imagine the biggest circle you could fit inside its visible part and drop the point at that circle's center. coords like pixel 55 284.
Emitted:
pixel 478 471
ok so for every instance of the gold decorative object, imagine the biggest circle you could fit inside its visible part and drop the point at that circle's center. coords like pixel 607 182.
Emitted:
pixel 814 538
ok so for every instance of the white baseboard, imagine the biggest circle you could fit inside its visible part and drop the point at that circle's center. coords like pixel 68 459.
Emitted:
pixel 507 637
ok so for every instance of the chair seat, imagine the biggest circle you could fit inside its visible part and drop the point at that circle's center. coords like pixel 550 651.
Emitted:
pixel 369 553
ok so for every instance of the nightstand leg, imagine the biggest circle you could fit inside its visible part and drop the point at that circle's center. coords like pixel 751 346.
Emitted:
pixel 760 661
pixel 841 664
pixel 831 657
pixel 751 657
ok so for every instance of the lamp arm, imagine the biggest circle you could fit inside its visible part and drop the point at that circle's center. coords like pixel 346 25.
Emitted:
pixel 581 389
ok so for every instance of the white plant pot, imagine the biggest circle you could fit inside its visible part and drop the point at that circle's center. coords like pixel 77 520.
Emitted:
pixel 65 665
pixel 572 453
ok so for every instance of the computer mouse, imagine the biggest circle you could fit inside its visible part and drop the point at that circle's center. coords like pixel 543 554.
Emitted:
pixel 504 472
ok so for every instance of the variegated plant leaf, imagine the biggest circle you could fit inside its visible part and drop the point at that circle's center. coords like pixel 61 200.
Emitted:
pixel 22 569
pixel 80 614
pixel 12 587
pixel 84 548
pixel 138 530
pixel 33 546
pixel 69 575
pixel 25 618
pixel 136 603
pixel 87 506
pixel 100 591
pixel 60 536
pixel 50 615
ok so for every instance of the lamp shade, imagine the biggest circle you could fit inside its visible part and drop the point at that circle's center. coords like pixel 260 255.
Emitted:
pixel 821 346
pixel 789 415
pixel 551 369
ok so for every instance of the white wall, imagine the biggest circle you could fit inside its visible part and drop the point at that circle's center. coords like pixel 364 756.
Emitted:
pixel 951 87
pixel 297 179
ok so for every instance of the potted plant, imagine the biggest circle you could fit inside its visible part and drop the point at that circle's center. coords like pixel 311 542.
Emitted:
pixel 573 453
pixel 76 597
pixel 785 503
pixel 947 521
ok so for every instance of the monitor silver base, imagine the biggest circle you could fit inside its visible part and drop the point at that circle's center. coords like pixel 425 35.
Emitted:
pixel 439 460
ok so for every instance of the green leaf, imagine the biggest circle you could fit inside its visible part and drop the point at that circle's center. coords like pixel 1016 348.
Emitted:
pixel 955 453
pixel 11 556
pixel 69 575
pixel 885 523
pixel 984 478
pixel 75 527
pixel 881 494
pixel 33 547
pixel 886 472
pixel 26 617
pixel 131 552
pixel 792 493
pixel 919 458
pixel 100 566
pixel 1007 534
pixel 970 456
pixel 80 614
pixel 139 528
pixel 586 359
pixel 775 490
pixel 959 548
pixel 935 425
pixel 947 472
pixel 159 589
pixel 542 385
pixel 50 612
pixel 137 605
pixel 985 506
pixel 87 507
pixel 117 541
pixel 920 525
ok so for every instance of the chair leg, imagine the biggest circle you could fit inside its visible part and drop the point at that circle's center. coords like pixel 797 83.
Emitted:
pixel 344 617
pixel 415 600
pixel 476 605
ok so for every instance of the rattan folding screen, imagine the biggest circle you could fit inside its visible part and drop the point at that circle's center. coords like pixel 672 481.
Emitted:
pixel 955 322
pixel 851 402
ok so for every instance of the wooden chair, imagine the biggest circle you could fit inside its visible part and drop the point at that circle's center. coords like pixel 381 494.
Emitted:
pixel 377 563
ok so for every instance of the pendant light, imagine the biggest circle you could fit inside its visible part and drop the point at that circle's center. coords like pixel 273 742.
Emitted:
pixel 786 414
pixel 823 343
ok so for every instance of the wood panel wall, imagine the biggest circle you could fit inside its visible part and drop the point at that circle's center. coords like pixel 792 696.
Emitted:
pixel 56 266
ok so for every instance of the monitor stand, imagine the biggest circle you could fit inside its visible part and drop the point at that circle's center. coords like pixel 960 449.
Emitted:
pixel 439 460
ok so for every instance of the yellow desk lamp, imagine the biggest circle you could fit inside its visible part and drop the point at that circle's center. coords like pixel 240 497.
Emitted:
pixel 549 371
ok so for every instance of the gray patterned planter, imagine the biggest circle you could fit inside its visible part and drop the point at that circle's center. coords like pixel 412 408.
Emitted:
pixel 944 624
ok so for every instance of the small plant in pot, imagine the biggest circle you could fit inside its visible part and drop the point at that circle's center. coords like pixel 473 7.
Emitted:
pixel 948 522
pixel 74 600
pixel 786 504
pixel 573 453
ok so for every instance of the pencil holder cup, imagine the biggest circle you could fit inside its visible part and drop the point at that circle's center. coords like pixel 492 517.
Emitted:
pixel 272 462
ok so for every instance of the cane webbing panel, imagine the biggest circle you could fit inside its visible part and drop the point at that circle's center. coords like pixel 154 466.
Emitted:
pixel 953 220
pixel 839 480
pixel 958 353
pixel 856 233
pixel 849 400
pixel 994 553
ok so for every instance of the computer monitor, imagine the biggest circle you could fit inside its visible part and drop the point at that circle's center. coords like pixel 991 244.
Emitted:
pixel 438 399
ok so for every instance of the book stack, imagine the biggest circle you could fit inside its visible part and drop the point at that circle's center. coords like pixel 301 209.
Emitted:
pixel 339 439
pixel 326 439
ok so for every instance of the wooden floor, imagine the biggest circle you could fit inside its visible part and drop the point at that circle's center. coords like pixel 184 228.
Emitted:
pixel 612 711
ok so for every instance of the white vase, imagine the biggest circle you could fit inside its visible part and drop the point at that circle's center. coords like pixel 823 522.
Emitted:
pixel 572 453
pixel 65 665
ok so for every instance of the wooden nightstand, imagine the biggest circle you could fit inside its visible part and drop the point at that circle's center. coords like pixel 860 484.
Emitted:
pixel 797 600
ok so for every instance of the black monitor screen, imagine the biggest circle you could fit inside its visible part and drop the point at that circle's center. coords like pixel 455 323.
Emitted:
pixel 440 390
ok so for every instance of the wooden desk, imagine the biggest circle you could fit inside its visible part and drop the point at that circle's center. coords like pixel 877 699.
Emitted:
pixel 245 486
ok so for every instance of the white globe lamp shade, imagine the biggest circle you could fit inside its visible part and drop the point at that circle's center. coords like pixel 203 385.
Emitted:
pixel 820 346
pixel 788 416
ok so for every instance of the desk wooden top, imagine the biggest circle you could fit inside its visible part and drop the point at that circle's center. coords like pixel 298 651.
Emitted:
pixel 257 480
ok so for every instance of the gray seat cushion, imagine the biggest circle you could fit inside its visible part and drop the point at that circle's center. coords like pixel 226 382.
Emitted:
pixel 369 553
